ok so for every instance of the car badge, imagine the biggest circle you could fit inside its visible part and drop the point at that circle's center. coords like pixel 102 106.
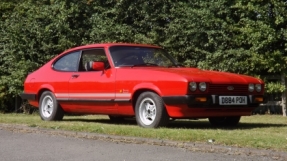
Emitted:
pixel 230 88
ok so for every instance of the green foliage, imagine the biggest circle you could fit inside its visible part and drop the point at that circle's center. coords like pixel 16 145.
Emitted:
pixel 33 32
pixel 274 87
pixel 247 37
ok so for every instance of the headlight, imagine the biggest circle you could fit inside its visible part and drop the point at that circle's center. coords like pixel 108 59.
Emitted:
pixel 202 86
pixel 251 87
pixel 258 87
pixel 192 86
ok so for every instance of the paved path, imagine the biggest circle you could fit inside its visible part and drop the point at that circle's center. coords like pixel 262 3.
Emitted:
pixel 34 144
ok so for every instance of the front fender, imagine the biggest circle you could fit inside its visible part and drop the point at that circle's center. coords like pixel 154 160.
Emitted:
pixel 147 86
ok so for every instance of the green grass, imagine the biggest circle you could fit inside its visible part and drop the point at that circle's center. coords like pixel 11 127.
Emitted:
pixel 258 131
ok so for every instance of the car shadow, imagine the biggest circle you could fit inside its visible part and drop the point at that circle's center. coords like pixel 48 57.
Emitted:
pixel 182 124
pixel 207 125
pixel 104 121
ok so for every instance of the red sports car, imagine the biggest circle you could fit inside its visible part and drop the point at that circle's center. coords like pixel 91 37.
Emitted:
pixel 142 81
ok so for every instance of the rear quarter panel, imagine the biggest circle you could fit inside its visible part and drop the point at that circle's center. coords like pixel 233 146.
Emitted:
pixel 46 79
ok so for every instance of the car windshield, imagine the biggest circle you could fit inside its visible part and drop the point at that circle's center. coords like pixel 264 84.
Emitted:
pixel 141 56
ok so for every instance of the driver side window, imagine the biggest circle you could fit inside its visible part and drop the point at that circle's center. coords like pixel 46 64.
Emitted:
pixel 92 56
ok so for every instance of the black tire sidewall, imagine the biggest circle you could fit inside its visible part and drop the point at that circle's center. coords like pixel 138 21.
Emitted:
pixel 233 121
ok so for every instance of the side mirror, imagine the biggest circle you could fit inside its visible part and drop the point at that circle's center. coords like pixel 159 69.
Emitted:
pixel 98 66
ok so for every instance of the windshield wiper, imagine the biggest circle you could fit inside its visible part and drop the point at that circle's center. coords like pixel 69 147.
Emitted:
pixel 179 65
pixel 176 66
pixel 138 65
pixel 145 64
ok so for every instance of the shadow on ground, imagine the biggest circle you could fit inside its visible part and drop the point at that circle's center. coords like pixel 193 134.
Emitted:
pixel 181 124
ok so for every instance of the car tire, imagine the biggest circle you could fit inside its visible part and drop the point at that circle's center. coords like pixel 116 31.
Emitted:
pixel 150 111
pixel 224 121
pixel 49 108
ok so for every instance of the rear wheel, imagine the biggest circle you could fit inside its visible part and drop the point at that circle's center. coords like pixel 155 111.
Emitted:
pixel 150 111
pixel 224 121
pixel 49 108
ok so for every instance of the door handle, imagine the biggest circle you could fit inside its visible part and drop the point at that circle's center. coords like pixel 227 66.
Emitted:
pixel 75 76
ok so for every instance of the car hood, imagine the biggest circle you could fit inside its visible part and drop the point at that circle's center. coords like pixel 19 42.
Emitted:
pixel 215 77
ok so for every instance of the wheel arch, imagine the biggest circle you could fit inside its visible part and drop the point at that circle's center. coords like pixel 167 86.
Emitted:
pixel 137 94
pixel 43 89
pixel 147 87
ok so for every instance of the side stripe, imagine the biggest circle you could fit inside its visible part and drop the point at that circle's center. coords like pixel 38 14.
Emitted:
pixel 118 96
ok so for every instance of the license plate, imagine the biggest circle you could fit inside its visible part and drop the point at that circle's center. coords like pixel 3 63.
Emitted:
pixel 232 100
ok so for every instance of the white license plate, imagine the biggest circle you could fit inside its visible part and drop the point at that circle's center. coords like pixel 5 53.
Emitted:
pixel 232 100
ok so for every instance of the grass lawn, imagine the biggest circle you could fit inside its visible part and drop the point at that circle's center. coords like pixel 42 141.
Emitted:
pixel 258 131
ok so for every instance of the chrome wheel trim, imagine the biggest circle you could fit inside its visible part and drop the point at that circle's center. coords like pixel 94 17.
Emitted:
pixel 47 106
pixel 147 111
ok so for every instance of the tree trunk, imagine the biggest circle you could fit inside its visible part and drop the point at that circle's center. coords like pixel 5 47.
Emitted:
pixel 283 103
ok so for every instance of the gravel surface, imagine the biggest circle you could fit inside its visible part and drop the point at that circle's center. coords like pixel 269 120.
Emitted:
pixel 18 142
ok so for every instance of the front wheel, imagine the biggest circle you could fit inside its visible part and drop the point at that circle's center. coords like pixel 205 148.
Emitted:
pixel 150 111
pixel 49 108
pixel 224 121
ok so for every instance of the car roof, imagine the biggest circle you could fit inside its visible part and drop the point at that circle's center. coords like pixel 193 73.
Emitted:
pixel 103 45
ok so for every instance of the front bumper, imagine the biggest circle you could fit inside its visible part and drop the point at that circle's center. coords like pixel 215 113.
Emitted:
pixel 210 100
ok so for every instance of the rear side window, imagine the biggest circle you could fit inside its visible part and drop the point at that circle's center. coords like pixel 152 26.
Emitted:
pixel 68 62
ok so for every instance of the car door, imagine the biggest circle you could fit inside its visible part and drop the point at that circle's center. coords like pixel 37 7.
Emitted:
pixel 92 92
pixel 63 68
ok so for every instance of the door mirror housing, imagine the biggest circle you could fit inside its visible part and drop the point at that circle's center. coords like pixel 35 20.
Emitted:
pixel 98 66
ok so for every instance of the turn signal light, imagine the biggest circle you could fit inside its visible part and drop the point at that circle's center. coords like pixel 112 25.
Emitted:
pixel 258 99
pixel 200 99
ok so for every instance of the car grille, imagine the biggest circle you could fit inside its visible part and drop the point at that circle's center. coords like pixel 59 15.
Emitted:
pixel 222 89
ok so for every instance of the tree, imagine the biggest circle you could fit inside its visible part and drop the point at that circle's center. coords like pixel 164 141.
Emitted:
pixel 32 32
pixel 247 37
pixel 265 33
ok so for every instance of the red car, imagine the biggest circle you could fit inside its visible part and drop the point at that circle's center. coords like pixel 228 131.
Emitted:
pixel 126 80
